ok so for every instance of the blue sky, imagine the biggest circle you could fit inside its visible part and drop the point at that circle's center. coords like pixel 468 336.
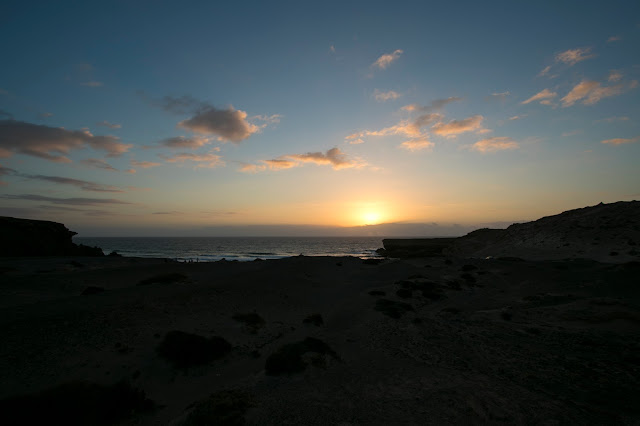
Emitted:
pixel 150 118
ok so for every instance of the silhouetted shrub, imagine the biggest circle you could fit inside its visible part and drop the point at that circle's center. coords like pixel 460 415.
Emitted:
pixel 377 293
pixel 168 278
pixel 288 358
pixel 372 261
pixel 185 350
pixel 315 319
pixel 252 321
pixel 404 293
pixel 76 403
pixel 392 308
pixel 92 290
pixel 222 408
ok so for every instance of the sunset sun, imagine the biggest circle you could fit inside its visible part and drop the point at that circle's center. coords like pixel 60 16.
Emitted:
pixel 371 218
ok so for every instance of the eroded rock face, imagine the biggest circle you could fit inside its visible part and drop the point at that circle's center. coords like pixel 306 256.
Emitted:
pixel 26 237
pixel 605 232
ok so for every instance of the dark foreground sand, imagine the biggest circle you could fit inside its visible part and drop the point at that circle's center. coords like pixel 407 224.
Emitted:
pixel 422 341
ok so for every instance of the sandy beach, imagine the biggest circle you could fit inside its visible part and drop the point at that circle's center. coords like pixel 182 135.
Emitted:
pixel 322 340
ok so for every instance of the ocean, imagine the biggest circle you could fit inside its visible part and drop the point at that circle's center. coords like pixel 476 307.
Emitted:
pixel 210 249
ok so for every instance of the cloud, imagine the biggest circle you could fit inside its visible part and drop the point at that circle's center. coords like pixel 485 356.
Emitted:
pixel 332 49
pixel 573 56
pixel 131 171
pixel 4 171
pixel 144 164
pixel 98 164
pixel 385 60
pixel 501 96
pixel 92 83
pixel 612 119
pixel 82 184
pixel 614 76
pixel 572 133
pixel 613 38
pixel 544 71
pixel 43 115
pixel 543 96
pixel 209 160
pixel 67 201
pixel 334 157
pixel 280 164
pixel 109 125
pixel 6 114
pixel 404 127
pixel 181 142
pixel 620 141
pixel 517 117
pixel 52 143
pixel 228 124
pixel 385 96
pixel 591 92
pixel 455 127
pixel 433 106
pixel 269 119
pixel 495 144
pixel 417 144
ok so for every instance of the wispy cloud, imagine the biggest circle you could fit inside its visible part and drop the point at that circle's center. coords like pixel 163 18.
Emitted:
pixel 209 160
pixel 385 96
pixel 620 141
pixel 614 76
pixel 436 105
pixel 544 97
pixel 98 164
pixel 334 157
pixel 613 39
pixel 572 133
pixel 544 71
pixel 501 143
pixel 455 127
pixel 109 125
pixel 573 56
pixel 92 83
pixel 387 59
pixel 332 49
pixel 591 92
pixel 44 115
pixel 69 201
pixel 404 127
pixel 52 143
pixel 181 142
pixel 417 144
pixel 501 96
pixel 517 117
pixel 612 119
pixel 82 184
pixel 268 119
pixel 5 171
pixel 6 114
pixel 144 164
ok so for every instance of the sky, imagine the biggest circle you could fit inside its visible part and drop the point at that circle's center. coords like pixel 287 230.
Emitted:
pixel 131 118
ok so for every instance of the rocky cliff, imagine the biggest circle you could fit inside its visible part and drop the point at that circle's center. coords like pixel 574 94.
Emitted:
pixel 25 237
pixel 604 232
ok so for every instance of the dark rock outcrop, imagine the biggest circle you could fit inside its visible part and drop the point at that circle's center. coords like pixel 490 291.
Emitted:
pixel 26 237
pixel 605 232
pixel 415 247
